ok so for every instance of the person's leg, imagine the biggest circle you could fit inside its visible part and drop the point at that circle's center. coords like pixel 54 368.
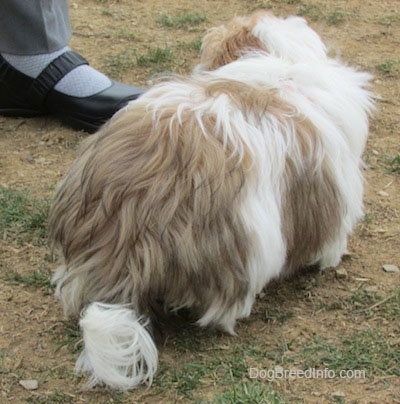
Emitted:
pixel 39 30
pixel 40 75
pixel 33 27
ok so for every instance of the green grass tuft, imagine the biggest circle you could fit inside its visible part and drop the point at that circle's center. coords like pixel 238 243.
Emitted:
pixel 335 18
pixel 38 278
pixel 249 392
pixel 155 57
pixel 291 1
pixel 393 163
pixel 311 11
pixel 69 336
pixel 368 351
pixel 388 20
pixel 22 217
pixel 315 13
pixel 389 68
pixel 115 65
pixel 125 34
pixel 181 21
pixel 194 45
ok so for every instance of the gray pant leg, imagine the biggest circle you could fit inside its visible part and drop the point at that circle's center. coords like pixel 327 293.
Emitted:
pixel 33 27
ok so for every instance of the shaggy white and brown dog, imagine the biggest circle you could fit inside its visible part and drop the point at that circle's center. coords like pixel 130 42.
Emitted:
pixel 207 187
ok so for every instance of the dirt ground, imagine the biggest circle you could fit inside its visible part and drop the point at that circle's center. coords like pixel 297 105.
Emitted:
pixel 35 153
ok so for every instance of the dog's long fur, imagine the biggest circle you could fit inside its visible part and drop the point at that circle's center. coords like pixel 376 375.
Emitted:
pixel 207 187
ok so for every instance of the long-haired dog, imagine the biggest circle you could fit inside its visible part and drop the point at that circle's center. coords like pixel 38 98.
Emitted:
pixel 207 187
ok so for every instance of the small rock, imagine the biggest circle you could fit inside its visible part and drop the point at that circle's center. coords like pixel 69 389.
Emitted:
pixel 341 273
pixel 347 255
pixel 380 230
pixel 383 193
pixel 30 159
pixel 391 268
pixel 358 279
pixel 375 152
pixel 316 393
pixel 338 394
pixel 29 384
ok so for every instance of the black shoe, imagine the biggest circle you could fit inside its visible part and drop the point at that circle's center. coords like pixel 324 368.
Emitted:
pixel 21 95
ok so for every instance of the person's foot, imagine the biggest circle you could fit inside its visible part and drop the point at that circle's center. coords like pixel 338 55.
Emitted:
pixel 61 84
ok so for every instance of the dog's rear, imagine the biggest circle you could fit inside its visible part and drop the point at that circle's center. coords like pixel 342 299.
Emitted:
pixel 151 211
pixel 205 188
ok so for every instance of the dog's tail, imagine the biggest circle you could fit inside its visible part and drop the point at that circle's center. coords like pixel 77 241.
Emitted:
pixel 118 349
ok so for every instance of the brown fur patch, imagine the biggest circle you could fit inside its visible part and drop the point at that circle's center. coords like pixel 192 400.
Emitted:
pixel 225 44
pixel 311 204
pixel 142 215
pixel 248 99
pixel 312 208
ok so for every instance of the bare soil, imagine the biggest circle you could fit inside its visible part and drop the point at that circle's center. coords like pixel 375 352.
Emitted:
pixel 35 154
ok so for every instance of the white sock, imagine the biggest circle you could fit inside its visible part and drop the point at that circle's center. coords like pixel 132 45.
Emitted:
pixel 83 81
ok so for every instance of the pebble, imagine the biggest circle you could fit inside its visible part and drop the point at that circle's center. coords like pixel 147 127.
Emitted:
pixel 391 268
pixel 338 394
pixel 29 384
pixel 383 193
pixel 341 273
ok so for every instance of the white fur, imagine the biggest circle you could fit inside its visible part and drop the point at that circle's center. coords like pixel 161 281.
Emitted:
pixel 290 39
pixel 118 351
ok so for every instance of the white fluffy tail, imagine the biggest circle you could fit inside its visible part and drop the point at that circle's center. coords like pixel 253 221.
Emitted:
pixel 118 351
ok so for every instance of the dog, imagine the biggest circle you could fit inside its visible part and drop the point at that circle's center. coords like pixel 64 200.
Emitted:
pixel 206 188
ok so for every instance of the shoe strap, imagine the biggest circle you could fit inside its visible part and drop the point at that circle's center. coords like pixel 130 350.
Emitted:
pixel 51 75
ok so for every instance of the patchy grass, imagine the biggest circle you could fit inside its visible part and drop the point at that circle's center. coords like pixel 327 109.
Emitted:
pixel 52 398
pixel 387 306
pixel 291 1
pixel 334 18
pixel 22 217
pixel 116 65
pixel 315 13
pixel 194 45
pixel 125 34
pixel 367 304
pixel 389 68
pixel 69 336
pixel 224 368
pixel 393 163
pixel 311 11
pixel 181 21
pixel 39 278
pixel 389 19
pixel 158 58
pixel 253 392
pixel 277 316
pixel 370 351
